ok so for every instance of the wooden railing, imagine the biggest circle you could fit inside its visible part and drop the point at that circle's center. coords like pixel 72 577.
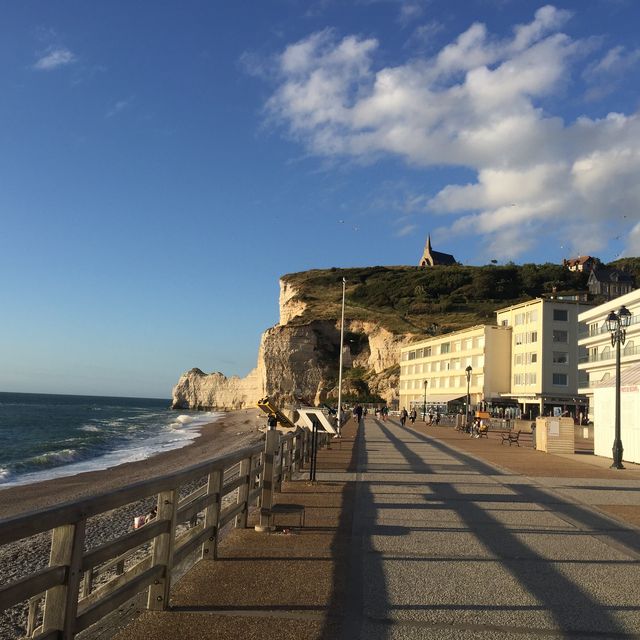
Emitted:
pixel 67 589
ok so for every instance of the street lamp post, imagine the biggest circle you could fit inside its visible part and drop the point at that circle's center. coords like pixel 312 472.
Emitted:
pixel 424 406
pixel 344 286
pixel 617 324
pixel 468 371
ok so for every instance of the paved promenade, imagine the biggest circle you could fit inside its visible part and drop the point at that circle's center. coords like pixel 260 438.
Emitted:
pixel 425 533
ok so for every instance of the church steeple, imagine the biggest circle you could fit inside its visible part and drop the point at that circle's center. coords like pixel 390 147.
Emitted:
pixel 431 258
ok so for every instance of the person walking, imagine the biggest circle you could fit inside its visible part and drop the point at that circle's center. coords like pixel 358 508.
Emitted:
pixel 403 416
pixel 413 415
pixel 385 413
pixel 358 413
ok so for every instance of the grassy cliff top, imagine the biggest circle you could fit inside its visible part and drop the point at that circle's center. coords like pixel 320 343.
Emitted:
pixel 432 300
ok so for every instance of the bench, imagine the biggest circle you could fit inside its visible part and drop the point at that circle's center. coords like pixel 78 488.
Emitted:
pixel 510 437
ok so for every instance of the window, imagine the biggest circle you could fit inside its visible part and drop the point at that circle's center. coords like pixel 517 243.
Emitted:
pixel 504 323
pixel 444 347
pixel 412 355
pixel 517 358
pixel 426 352
pixel 519 338
pixel 405 356
pixel 560 357
pixel 560 336
pixel 418 353
pixel 560 379
pixel 532 336
pixel 560 315
pixel 468 344
pixel 519 318
pixel 532 316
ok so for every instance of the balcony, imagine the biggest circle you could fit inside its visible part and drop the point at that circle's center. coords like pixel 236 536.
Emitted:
pixel 583 331
pixel 610 355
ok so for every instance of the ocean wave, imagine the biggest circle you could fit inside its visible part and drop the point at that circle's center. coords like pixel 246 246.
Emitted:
pixel 195 420
pixel 69 462
pixel 53 458
pixel 89 427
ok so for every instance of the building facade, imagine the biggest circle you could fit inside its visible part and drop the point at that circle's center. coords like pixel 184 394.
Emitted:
pixel 597 364
pixel 610 283
pixel 544 355
pixel 433 371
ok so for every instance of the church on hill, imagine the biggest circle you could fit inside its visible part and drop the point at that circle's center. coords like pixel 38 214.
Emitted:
pixel 431 258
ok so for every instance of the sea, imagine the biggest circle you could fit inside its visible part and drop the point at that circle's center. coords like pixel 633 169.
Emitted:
pixel 46 436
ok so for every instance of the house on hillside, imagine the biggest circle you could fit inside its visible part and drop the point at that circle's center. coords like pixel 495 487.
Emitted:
pixel 610 283
pixel 431 258
pixel 581 263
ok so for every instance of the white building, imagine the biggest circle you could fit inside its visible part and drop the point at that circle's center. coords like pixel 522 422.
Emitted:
pixel 597 373
pixel 544 355
pixel 433 371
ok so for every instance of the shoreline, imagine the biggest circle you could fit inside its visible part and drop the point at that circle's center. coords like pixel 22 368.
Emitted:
pixel 234 429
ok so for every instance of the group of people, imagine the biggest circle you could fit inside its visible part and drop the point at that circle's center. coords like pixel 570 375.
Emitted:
pixel 404 414
pixel 382 412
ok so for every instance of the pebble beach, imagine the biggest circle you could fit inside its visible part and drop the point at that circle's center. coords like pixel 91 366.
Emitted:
pixel 234 430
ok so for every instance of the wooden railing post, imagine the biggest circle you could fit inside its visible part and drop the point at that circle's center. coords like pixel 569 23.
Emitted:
pixel 266 480
pixel 61 602
pixel 243 493
pixel 307 445
pixel 162 554
pixel 289 460
pixel 297 452
pixel 212 516
pixel 277 474
pixel 87 583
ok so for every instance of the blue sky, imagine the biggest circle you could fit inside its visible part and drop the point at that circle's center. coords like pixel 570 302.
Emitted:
pixel 164 163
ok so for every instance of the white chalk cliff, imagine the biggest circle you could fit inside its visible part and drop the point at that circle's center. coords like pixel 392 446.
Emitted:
pixel 298 362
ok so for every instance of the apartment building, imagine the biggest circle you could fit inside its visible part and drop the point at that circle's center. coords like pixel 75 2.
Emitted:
pixel 597 364
pixel 544 355
pixel 598 383
pixel 434 370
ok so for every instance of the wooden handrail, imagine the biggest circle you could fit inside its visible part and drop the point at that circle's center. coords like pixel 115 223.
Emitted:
pixel 71 604
pixel 29 524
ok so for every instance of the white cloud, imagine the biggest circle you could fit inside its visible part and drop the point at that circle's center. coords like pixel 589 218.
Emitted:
pixel 406 230
pixel 633 245
pixel 606 74
pixel 53 59
pixel 118 107
pixel 476 104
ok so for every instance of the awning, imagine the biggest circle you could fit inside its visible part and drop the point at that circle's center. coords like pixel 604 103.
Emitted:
pixel 628 377
pixel 436 398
